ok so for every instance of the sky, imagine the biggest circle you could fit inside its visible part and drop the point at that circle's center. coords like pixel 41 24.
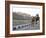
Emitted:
pixel 32 10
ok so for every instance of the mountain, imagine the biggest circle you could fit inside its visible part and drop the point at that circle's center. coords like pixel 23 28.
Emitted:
pixel 21 16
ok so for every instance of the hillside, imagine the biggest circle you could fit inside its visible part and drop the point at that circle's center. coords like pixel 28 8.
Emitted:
pixel 21 16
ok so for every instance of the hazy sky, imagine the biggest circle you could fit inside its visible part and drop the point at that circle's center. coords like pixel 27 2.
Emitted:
pixel 26 9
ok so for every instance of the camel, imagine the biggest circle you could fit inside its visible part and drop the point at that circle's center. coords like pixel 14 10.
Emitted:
pixel 34 19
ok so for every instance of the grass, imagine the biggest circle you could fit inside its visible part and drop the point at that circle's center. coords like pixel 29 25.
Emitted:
pixel 19 22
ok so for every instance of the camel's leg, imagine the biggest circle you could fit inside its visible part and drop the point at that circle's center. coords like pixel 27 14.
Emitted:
pixel 32 24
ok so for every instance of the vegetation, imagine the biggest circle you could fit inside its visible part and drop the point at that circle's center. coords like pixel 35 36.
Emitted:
pixel 22 16
pixel 19 22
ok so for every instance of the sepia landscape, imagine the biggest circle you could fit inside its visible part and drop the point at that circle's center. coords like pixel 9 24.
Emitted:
pixel 23 21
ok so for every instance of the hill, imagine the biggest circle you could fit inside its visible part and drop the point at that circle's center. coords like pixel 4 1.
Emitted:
pixel 21 16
